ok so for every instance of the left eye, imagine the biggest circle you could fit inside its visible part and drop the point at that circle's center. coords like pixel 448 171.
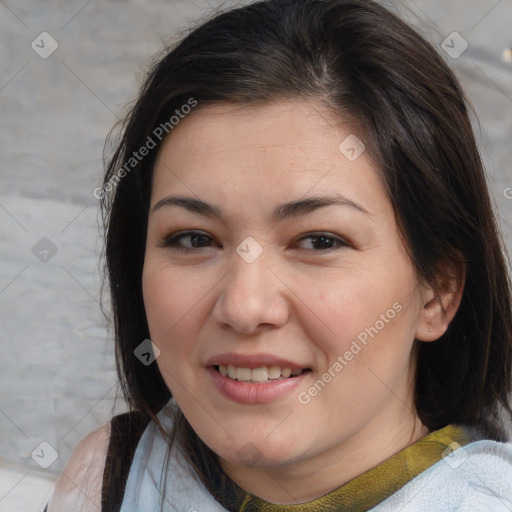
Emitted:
pixel 323 241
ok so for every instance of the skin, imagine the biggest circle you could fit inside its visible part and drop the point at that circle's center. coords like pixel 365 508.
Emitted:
pixel 296 300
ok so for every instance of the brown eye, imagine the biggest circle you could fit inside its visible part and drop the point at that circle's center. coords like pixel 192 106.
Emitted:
pixel 324 241
pixel 194 240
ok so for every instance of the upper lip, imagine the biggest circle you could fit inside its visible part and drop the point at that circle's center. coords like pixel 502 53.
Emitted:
pixel 253 361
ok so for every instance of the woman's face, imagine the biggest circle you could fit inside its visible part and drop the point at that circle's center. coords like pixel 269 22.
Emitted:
pixel 294 282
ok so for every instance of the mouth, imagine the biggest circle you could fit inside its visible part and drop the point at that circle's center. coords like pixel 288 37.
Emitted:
pixel 256 378
pixel 258 375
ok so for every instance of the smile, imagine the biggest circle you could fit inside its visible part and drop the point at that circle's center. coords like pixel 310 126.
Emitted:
pixel 262 374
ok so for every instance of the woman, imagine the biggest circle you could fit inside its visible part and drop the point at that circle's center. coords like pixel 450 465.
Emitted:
pixel 298 219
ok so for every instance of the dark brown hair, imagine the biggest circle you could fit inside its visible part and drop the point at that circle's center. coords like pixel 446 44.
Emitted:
pixel 370 67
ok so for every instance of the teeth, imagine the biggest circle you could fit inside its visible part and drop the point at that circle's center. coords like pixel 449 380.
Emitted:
pixel 243 374
pixel 286 372
pixel 261 374
pixel 231 372
pixel 274 372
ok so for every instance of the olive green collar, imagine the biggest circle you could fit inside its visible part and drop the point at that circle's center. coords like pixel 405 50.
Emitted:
pixel 360 494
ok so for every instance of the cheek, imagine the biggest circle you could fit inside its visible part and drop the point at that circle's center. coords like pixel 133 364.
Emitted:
pixel 172 304
pixel 364 353
pixel 359 309
pixel 171 300
pixel 368 320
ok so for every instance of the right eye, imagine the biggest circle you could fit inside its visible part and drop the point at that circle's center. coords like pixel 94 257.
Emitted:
pixel 196 240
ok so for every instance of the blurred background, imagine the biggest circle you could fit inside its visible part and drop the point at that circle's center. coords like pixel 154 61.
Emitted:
pixel 68 70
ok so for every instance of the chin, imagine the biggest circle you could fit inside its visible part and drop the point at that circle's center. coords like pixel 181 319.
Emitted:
pixel 258 451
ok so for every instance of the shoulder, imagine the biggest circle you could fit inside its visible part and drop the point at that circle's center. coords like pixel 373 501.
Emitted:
pixel 474 477
pixel 80 484
pixel 486 457
pixel 482 471
pixel 488 463
pixel 481 465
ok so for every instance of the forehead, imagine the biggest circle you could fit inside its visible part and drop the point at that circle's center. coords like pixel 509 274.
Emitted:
pixel 271 152
pixel 281 128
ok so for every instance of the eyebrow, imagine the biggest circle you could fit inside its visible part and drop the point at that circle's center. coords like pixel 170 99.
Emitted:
pixel 281 212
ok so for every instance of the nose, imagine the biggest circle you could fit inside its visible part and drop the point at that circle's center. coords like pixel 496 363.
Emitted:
pixel 252 297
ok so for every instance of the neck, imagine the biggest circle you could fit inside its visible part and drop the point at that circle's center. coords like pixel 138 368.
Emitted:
pixel 308 479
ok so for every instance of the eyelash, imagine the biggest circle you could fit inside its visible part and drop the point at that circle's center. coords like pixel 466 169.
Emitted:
pixel 172 241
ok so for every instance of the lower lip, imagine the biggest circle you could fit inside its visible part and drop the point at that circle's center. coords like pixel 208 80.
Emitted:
pixel 254 393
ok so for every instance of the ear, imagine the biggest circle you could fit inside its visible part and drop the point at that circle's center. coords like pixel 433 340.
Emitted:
pixel 439 308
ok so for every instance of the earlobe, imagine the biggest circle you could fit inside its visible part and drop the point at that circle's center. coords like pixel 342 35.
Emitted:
pixel 439 308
